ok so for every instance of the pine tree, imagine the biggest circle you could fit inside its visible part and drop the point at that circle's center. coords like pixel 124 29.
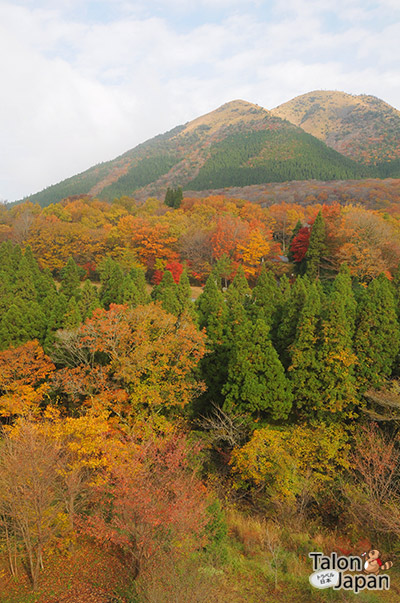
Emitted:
pixel 317 248
pixel 70 281
pixel 377 337
pixel 305 367
pixel 256 382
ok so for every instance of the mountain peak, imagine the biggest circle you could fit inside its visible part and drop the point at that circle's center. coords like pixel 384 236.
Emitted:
pixel 362 127
pixel 229 113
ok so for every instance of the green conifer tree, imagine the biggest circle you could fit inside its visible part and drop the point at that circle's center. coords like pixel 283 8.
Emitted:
pixel 316 248
pixel 377 337
pixel 256 382
pixel 184 295
pixel 305 367
pixel 72 317
pixel 70 280
pixel 336 359
pixel 24 288
pixel 343 285
pixel 266 299
pixel 112 283
pixel 138 276
pixel 290 314
pixel 167 293
pixel 212 315
pixel 89 300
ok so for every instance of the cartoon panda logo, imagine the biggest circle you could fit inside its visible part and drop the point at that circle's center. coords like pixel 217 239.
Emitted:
pixel 374 564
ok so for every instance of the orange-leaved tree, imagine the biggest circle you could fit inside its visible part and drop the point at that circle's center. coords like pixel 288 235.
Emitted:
pixel 24 374
pixel 125 357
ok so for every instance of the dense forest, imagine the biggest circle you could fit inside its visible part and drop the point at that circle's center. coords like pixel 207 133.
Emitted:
pixel 194 396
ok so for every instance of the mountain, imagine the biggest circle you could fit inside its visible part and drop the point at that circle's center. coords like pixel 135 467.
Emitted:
pixel 236 145
pixel 363 128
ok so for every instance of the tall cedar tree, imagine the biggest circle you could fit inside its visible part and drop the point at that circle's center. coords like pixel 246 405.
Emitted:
pixel 342 284
pixel 212 315
pixel 70 281
pixel 316 248
pixel 337 360
pixel 377 337
pixel 305 368
pixel 256 383
pixel 266 299
pixel 24 287
pixel 112 283
pixel 184 295
pixel 167 293
pixel 291 311
pixel 89 300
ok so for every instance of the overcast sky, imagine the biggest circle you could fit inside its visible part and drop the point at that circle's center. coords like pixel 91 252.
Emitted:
pixel 82 81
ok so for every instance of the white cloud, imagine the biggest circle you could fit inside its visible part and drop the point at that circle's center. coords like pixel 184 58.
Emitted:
pixel 79 91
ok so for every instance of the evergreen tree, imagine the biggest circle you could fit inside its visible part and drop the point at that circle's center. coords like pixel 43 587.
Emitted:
pixel 70 281
pixel 290 314
pixel 173 197
pixel 89 300
pixel 256 381
pixel 56 308
pixel 33 266
pixel 15 257
pixel 184 295
pixel 45 286
pixel 212 315
pixel 21 323
pixel 266 298
pixel 377 337
pixel 342 284
pixel 336 359
pixel 223 269
pixel 305 367
pixel 6 295
pixel 72 317
pixel 317 248
pixel 6 265
pixel 167 293
pixel 24 288
pixel 239 290
pixel 112 283
pixel 138 276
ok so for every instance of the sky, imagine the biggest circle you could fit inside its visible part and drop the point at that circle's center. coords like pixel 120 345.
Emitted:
pixel 83 81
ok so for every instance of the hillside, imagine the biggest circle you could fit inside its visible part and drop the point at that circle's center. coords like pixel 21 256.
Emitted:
pixel 236 145
pixel 363 128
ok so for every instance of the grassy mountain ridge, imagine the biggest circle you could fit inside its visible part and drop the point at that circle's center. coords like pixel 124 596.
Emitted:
pixel 363 128
pixel 238 144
